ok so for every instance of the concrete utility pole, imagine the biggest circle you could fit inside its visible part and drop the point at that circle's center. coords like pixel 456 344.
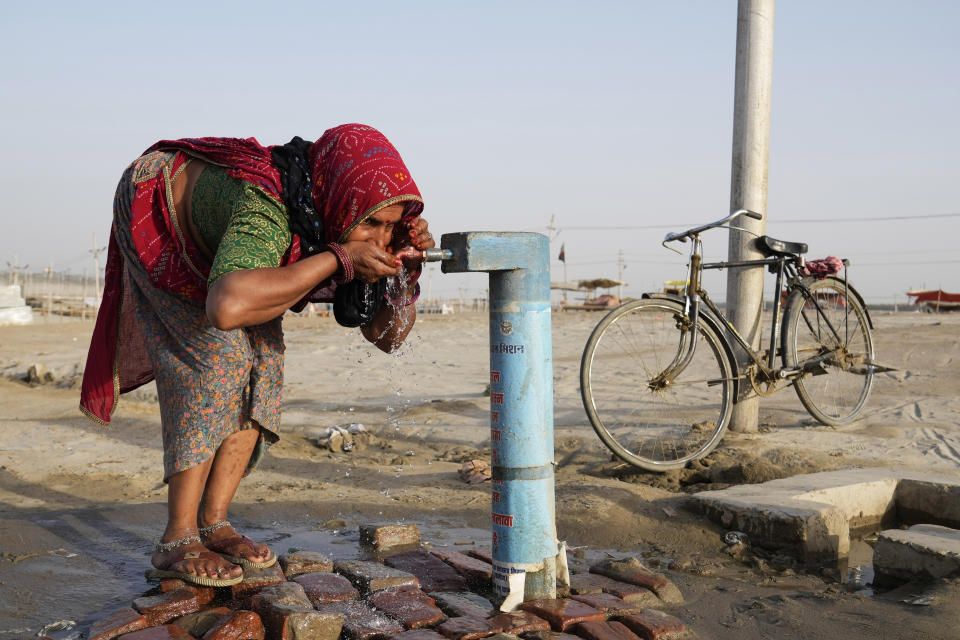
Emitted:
pixel 620 266
pixel 552 235
pixel 748 180
pixel 83 298
pixel 49 273
pixel 96 271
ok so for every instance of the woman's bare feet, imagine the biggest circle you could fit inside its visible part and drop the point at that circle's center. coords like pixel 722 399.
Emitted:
pixel 222 538
pixel 188 557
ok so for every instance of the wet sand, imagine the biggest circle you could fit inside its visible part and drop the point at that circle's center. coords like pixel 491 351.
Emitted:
pixel 81 505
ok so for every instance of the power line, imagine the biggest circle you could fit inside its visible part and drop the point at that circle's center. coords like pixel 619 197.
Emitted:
pixel 900 263
pixel 873 219
pixel 776 221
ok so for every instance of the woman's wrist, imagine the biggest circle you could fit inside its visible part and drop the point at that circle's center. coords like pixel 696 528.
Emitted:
pixel 346 264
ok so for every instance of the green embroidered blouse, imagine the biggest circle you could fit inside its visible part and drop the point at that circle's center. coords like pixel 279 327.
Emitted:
pixel 239 222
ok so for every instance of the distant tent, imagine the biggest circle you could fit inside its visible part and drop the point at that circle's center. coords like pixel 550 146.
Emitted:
pixel 600 283
pixel 935 300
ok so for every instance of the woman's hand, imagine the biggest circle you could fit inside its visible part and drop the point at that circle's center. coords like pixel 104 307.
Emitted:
pixel 414 234
pixel 370 263
pixel 420 236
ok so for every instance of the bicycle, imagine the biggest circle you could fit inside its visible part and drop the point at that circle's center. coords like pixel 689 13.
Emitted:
pixel 659 376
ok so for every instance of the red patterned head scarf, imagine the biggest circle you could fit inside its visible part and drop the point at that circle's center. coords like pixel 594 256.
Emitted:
pixel 357 172
pixel 354 172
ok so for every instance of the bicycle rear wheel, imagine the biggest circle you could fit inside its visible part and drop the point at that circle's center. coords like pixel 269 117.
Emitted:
pixel 649 423
pixel 828 336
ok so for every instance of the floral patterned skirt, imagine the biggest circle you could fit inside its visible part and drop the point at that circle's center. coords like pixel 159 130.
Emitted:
pixel 210 383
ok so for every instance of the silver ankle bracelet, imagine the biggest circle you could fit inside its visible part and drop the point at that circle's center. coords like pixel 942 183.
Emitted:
pixel 164 547
pixel 205 531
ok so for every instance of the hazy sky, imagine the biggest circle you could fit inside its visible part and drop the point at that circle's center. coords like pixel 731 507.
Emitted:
pixel 603 115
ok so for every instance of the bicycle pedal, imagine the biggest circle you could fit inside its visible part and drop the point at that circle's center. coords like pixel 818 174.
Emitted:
pixel 871 367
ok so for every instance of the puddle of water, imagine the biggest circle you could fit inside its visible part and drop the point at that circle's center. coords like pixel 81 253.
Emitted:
pixel 856 570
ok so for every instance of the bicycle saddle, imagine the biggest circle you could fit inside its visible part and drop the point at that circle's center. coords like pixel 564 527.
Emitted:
pixel 771 247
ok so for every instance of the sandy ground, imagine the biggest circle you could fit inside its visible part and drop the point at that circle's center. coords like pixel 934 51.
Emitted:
pixel 81 505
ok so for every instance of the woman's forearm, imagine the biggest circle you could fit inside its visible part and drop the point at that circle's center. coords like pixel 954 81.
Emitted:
pixel 253 296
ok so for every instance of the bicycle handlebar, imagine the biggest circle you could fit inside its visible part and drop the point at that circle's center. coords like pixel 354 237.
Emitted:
pixel 683 235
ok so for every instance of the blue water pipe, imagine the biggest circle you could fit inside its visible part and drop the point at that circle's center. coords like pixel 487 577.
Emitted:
pixel 525 546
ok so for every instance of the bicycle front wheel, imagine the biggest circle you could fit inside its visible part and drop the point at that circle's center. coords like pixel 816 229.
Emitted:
pixel 827 335
pixel 648 416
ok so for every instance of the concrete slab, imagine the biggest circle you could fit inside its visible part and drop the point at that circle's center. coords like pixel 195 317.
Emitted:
pixel 922 552
pixel 810 517
pixel 928 501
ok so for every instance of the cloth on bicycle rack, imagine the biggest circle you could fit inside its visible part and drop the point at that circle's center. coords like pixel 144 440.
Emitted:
pixel 822 268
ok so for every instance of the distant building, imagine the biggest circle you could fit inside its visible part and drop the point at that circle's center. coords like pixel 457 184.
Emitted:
pixel 13 308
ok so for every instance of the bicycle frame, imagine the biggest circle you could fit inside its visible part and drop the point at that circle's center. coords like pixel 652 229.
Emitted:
pixel 786 268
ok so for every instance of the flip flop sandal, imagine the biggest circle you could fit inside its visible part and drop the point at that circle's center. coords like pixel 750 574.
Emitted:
pixel 192 578
pixel 220 547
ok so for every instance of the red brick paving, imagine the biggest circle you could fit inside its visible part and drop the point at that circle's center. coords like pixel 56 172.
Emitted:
pixel 321 588
pixel 654 625
pixel 238 625
pixel 609 603
pixel 288 593
pixel 253 581
pixel 581 583
pixel 373 576
pixel 294 564
pixel 361 621
pixel 481 554
pixel 165 632
pixel 417 634
pixel 166 606
pixel 204 595
pixel 518 622
pixel 433 573
pixel 604 631
pixel 119 622
pixel 413 609
pixel 295 622
pixel 299 609
pixel 633 571
pixel 197 624
pixel 466 628
pixel 477 572
pixel 463 603
pixel 385 537
pixel 562 613
pixel 550 635
pixel 410 591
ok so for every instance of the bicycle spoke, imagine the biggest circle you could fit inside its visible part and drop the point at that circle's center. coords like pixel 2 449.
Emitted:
pixel 826 335
pixel 647 420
